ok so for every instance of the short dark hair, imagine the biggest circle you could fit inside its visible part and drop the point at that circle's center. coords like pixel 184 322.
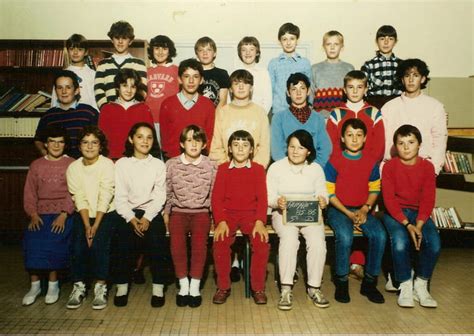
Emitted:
pixel 289 28
pixel 77 41
pixel 294 79
pixel 121 29
pixel 409 64
pixel 198 134
pixel 97 132
pixel 355 123
pixel 55 132
pixel 242 75
pixel 355 74
pixel 241 135
pixel 406 130
pixel 164 42
pixel 386 30
pixel 72 76
pixel 190 63
pixel 306 140
pixel 252 41
pixel 204 41
pixel 123 75
pixel 155 147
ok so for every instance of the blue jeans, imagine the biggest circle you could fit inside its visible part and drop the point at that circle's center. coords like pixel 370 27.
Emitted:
pixel 343 229
pixel 401 242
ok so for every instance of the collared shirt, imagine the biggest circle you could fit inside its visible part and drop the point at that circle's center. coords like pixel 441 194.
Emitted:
pixel 248 164
pixel 121 58
pixel 186 102
pixel 381 72
pixel 185 161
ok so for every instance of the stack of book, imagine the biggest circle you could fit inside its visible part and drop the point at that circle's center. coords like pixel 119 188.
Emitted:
pixel 446 218
pixel 457 163
pixel 32 57
pixel 12 100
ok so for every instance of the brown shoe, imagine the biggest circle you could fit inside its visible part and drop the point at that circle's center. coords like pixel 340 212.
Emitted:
pixel 259 297
pixel 221 296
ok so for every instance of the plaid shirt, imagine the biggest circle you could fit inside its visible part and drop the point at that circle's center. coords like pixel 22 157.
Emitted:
pixel 381 72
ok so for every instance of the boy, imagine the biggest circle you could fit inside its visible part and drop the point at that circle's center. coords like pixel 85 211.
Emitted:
pixel 76 46
pixel 353 182
pixel 381 69
pixel 299 115
pixel 185 108
pixel 415 108
pixel 289 62
pixel 409 189
pixel 239 200
pixel 121 34
pixel 241 113
pixel 355 88
pixel 328 75
pixel 70 114
pixel 216 81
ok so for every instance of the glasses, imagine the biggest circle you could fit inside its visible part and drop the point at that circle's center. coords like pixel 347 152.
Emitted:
pixel 93 143
pixel 56 142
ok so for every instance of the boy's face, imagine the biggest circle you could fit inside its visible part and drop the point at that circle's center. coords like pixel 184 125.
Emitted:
pixel 55 147
pixel 90 147
pixel 65 91
pixel 412 80
pixel 240 90
pixel 127 90
pixel 353 139
pixel 332 46
pixel 288 43
pixel 161 54
pixel 240 150
pixel 355 90
pixel 298 94
pixel 121 44
pixel 407 148
pixel 192 147
pixel 190 81
pixel 206 54
pixel 76 55
pixel 386 44
pixel 248 53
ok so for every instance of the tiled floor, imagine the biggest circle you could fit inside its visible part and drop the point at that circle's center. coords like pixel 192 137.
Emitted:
pixel 452 287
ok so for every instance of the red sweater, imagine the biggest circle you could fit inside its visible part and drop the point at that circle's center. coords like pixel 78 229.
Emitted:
pixel 174 118
pixel 115 121
pixel 411 187
pixel 162 82
pixel 240 189
pixel 370 116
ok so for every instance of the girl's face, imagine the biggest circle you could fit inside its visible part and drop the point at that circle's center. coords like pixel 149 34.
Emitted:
pixel 55 147
pixel 297 154
pixel 192 147
pixel 161 55
pixel 248 52
pixel 90 147
pixel 128 90
pixel 142 142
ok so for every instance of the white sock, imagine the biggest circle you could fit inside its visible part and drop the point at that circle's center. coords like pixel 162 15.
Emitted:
pixel 194 287
pixel 235 263
pixel 285 288
pixel 122 289
pixel 158 290
pixel 53 287
pixel 183 286
pixel 36 285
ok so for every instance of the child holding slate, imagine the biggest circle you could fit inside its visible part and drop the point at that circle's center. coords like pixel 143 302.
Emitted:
pixel 298 174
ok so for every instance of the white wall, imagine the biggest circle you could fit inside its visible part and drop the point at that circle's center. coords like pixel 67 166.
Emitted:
pixel 440 32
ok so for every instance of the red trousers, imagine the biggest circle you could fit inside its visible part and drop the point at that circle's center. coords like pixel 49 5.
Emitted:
pixel 222 251
pixel 181 224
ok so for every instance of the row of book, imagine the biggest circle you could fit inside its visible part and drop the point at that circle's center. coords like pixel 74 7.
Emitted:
pixel 446 218
pixel 457 163
pixel 32 57
pixel 18 127
pixel 12 100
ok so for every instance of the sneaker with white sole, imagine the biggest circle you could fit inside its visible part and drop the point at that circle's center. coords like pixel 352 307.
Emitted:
pixel 315 295
pixel 421 294
pixel 100 296
pixel 389 287
pixel 286 300
pixel 77 295
pixel 405 298
pixel 31 296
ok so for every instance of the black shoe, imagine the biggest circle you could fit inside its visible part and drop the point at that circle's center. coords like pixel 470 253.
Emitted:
pixel 369 289
pixel 195 301
pixel 157 301
pixel 235 274
pixel 342 291
pixel 182 300
pixel 138 276
pixel 121 301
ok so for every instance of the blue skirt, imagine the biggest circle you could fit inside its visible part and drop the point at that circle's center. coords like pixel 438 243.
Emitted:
pixel 46 250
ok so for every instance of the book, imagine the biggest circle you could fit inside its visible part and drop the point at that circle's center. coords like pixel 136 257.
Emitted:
pixel 446 218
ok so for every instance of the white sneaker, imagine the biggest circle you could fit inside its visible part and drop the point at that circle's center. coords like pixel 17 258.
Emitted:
pixel 317 297
pixel 52 296
pixel 31 296
pixel 286 299
pixel 421 294
pixel 405 299
pixel 389 287
pixel 100 299
pixel 77 295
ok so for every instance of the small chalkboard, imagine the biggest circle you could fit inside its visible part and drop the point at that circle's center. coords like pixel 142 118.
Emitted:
pixel 302 211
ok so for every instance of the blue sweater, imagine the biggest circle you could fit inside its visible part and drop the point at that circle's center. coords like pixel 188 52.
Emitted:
pixel 285 123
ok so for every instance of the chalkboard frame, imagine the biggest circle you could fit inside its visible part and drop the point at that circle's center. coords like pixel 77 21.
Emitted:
pixel 302 199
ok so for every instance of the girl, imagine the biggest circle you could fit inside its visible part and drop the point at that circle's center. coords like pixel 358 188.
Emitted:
pixel 140 195
pixel 298 174
pixel 90 180
pixel 49 205
pixel 116 118
pixel 189 182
